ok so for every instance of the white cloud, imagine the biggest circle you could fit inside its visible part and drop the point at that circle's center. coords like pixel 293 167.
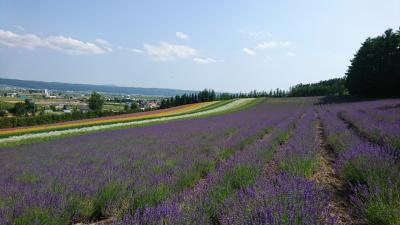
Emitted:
pixel 260 33
pixel 28 41
pixel 270 44
pixel 273 44
pixel 101 41
pixel 248 51
pixel 181 35
pixel 285 43
pixel 290 54
pixel 73 46
pixel 105 44
pixel 207 60
pixel 135 50
pixel 59 43
pixel 164 51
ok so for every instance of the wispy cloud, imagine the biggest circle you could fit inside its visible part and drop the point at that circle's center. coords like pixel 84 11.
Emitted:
pixel 59 43
pixel 21 28
pixel 273 44
pixel 248 51
pixel 101 41
pixel 207 60
pixel 105 44
pixel 181 35
pixel 259 33
pixel 290 54
pixel 164 51
pixel 135 50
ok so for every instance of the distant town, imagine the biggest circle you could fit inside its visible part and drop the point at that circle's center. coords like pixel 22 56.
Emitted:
pixel 48 101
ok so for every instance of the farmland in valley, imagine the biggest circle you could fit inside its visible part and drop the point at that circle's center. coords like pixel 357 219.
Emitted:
pixel 15 136
pixel 280 161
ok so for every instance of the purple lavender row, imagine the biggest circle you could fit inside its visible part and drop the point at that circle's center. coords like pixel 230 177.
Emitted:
pixel 338 135
pixel 387 113
pixel 105 174
pixel 378 121
pixel 301 151
pixel 288 196
pixel 371 171
pixel 379 131
pixel 202 204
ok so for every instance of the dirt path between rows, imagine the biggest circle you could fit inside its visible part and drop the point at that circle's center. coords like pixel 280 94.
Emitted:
pixel 271 169
pixel 108 221
pixel 326 177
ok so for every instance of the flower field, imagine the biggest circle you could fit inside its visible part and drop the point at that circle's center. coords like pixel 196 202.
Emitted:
pixel 111 119
pixel 29 134
pixel 281 161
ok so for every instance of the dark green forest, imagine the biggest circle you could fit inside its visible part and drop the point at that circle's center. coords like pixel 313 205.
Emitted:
pixel 374 72
pixel 332 87
pixel 375 68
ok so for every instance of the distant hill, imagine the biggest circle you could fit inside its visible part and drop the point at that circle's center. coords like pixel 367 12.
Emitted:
pixel 90 87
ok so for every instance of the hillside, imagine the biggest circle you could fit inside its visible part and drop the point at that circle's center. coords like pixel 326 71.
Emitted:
pixel 90 87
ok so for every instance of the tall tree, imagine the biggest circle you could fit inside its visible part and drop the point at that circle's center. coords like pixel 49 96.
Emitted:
pixel 375 68
pixel 19 109
pixel 96 102
pixel 30 106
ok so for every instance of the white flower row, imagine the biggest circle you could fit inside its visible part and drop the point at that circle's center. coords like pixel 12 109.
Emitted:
pixel 232 105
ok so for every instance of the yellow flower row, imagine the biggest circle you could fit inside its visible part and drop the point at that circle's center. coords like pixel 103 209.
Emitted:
pixel 184 109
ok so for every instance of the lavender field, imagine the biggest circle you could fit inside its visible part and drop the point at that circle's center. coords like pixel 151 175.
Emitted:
pixel 282 161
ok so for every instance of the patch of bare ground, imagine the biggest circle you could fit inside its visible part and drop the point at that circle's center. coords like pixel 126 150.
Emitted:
pixel 327 178
pixel 272 167
pixel 108 221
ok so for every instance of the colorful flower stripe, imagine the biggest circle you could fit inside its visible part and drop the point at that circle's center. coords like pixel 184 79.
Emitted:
pixel 185 109
pixel 232 105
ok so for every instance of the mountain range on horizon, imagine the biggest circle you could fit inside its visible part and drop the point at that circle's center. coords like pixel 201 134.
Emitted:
pixel 61 86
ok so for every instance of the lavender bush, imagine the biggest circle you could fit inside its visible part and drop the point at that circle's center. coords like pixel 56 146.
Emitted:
pixel 371 171
pixel 210 170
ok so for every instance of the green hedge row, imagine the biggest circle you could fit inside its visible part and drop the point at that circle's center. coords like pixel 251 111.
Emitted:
pixel 9 122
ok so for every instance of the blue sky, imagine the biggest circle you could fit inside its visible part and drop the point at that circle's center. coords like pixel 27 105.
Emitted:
pixel 225 45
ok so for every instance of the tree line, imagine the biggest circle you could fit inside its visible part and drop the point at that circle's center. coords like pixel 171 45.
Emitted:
pixel 40 119
pixel 375 68
pixel 208 95
pixel 332 87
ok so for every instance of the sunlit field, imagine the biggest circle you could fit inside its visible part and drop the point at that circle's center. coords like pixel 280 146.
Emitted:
pixel 263 164
pixel 200 112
